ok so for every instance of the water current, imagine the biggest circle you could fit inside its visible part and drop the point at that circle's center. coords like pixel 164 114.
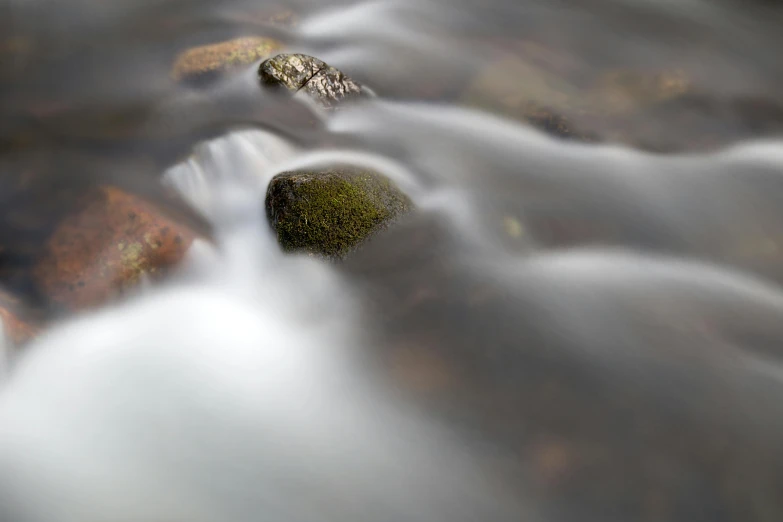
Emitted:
pixel 565 329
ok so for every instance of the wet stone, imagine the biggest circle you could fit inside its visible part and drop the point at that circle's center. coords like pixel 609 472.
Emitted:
pixel 206 62
pixel 323 83
pixel 289 70
pixel 106 247
pixel 329 213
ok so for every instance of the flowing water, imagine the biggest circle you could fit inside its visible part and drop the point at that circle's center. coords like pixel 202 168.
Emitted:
pixel 564 330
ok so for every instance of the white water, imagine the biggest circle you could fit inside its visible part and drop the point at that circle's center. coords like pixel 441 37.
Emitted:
pixel 225 396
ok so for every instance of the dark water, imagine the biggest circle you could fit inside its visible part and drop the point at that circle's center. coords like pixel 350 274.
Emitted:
pixel 579 325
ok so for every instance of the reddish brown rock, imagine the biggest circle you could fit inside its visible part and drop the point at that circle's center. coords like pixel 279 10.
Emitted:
pixel 17 324
pixel 103 249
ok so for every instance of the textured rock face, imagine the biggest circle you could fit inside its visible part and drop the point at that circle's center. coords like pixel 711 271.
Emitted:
pixel 318 80
pixel 289 70
pixel 207 62
pixel 330 213
pixel 106 247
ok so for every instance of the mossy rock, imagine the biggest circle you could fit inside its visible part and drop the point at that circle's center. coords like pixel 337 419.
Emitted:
pixel 331 212
pixel 207 62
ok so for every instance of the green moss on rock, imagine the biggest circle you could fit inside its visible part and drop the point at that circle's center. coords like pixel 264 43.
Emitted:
pixel 331 212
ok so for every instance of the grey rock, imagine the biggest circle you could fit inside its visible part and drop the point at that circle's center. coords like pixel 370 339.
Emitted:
pixel 289 70
pixel 302 73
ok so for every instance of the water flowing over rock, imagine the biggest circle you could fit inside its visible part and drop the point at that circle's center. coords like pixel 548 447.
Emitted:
pixel 18 324
pixel 331 212
pixel 206 62
pixel 106 247
pixel 591 326
pixel 301 73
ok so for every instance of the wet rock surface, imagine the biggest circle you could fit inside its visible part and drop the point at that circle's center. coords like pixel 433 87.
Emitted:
pixel 331 212
pixel 207 62
pixel 321 82
pixel 105 248
pixel 19 323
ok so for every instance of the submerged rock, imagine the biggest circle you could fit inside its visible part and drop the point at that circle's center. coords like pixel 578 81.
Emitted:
pixel 320 81
pixel 206 62
pixel 552 90
pixel 664 109
pixel 519 87
pixel 331 212
pixel 105 248
pixel 555 124
pixel 621 91
pixel 17 323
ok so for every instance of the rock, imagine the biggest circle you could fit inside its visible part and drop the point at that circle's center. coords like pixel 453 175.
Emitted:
pixel 289 70
pixel 623 90
pixel 331 212
pixel 551 122
pixel 557 94
pixel 508 79
pixel 204 63
pixel 44 187
pixel 105 247
pixel 18 325
pixel 516 86
pixel 320 81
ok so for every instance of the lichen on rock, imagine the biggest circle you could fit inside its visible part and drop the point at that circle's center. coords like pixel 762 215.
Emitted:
pixel 104 249
pixel 331 212
pixel 209 61
pixel 302 73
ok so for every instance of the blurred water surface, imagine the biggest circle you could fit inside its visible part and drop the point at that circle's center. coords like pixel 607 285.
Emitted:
pixel 573 326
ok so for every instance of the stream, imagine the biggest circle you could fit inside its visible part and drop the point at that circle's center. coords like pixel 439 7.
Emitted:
pixel 571 327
